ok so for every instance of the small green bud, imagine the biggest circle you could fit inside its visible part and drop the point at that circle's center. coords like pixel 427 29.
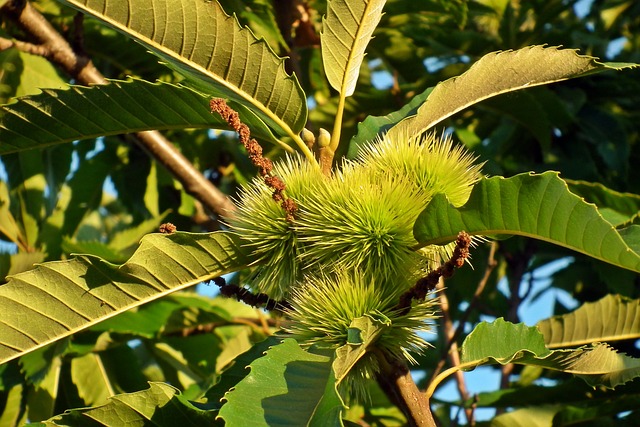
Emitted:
pixel 324 138
pixel 308 137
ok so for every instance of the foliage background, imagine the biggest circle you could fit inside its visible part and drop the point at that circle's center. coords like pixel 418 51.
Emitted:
pixel 55 201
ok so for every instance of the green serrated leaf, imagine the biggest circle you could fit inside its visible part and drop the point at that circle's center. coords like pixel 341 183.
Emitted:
pixel 220 58
pixel 497 73
pixel 79 112
pixel 617 208
pixel 90 378
pixel 286 387
pixel 238 370
pixel 537 206
pixel 504 342
pixel 539 416
pixel 612 318
pixel 57 299
pixel 131 236
pixel 347 30
pixel 160 405
pixel 373 126
pixel 8 226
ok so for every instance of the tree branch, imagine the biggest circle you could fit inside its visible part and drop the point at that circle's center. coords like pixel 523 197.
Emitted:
pixel 49 43
pixel 395 380
pixel 491 265
pixel 454 356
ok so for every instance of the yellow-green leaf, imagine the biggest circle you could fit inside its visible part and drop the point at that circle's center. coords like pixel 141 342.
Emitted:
pixel 199 40
pixel 347 30
pixel 612 318
pixel 497 73
pixel 57 299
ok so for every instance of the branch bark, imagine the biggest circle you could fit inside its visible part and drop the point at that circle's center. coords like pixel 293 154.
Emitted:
pixel 454 355
pixel 395 380
pixel 50 44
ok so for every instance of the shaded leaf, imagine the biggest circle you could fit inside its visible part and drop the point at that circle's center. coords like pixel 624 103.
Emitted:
pixel 538 206
pixel 497 73
pixel 131 236
pixel 57 299
pixel 41 398
pixel 220 58
pixel 347 29
pixel 92 247
pixel 13 413
pixel 237 371
pixel 8 226
pixel 286 387
pixel 23 73
pixel 168 315
pixel 611 318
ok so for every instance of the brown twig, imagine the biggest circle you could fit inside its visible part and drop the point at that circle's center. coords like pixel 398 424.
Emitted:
pixel 249 298
pixel 491 265
pixel 206 328
pixel 428 283
pixel 46 41
pixel 395 380
pixel 454 356
pixel 451 341
pixel 264 165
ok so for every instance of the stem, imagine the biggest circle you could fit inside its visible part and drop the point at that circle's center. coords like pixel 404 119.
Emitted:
pixel 327 153
pixel 491 265
pixel 57 50
pixel 454 356
pixel 395 380
pixel 337 124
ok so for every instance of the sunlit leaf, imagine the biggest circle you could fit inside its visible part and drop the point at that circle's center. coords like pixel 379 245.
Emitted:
pixel 220 58
pixel 504 342
pixel 347 30
pixel 80 112
pixel 612 318
pixel 537 206
pixel 160 405
pixel 90 377
pixel 57 299
pixel 497 73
